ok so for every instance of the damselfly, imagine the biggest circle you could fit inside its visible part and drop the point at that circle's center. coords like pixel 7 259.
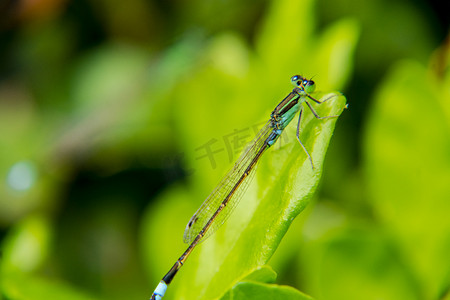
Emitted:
pixel 220 203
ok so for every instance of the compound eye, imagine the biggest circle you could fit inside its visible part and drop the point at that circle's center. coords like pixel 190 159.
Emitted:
pixel 296 80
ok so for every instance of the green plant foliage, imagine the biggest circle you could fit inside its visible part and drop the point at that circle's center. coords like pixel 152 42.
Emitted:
pixel 39 288
pixel 401 250
pixel 108 111
pixel 262 274
pixel 408 138
pixel 255 290
pixel 285 183
pixel 356 260
pixel 255 286
pixel 225 92
pixel 25 251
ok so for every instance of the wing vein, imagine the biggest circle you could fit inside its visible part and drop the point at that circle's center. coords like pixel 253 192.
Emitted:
pixel 225 187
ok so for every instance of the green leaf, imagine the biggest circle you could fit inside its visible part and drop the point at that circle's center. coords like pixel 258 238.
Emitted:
pixel 358 254
pixel 24 251
pixel 335 51
pixel 262 274
pixel 281 33
pixel 255 286
pixel 26 247
pixel 284 185
pixel 261 291
pixel 407 161
pixel 221 104
pixel 35 288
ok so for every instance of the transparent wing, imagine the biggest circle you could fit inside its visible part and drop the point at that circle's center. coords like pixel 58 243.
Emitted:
pixel 215 199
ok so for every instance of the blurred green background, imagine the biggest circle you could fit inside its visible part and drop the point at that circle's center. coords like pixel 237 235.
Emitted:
pixel 108 110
